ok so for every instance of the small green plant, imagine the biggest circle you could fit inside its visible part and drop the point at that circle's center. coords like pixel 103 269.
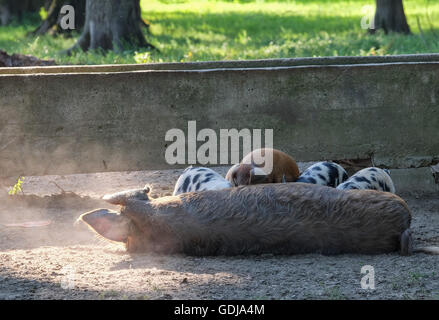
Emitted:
pixel 110 294
pixel 396 284
pixel 143 57
pixel 407 296
pixel 17 187
pixel 43 13
pixel 415 278
pixel 334 293
pixel 435 296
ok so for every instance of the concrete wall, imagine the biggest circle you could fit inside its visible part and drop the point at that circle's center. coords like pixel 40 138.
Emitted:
pixel 88 119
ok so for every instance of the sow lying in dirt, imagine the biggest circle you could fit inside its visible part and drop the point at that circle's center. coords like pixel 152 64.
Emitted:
pixel 288 218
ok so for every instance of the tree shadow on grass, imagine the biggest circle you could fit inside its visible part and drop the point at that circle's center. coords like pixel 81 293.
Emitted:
pixel 257 25
pixel 248 35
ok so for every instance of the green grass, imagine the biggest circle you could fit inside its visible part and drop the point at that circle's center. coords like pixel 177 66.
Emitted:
pixel 334 293
pixel 198 30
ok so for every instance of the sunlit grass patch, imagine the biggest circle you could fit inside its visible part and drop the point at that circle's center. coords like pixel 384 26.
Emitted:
pixel 197 30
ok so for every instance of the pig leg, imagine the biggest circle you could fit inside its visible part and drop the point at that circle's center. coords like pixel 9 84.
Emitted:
pixel 406 243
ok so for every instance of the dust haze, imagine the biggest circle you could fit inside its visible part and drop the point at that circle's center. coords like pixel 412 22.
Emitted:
pixel 34 260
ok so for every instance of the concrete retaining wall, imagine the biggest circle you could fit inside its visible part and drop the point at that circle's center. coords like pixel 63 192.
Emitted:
pixel 114 118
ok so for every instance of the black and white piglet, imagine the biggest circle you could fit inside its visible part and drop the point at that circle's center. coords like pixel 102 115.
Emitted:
pixel 324 173
pixel 370 178
pixel 200 179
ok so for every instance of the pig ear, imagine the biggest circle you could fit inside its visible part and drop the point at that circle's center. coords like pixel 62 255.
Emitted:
pixel 234 180
pixel 107 223
pixel 231 173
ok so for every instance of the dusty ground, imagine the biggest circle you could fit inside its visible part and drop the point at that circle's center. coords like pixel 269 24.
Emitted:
pixel 63 261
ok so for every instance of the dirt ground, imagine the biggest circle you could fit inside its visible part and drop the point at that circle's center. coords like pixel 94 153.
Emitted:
pixel 67 261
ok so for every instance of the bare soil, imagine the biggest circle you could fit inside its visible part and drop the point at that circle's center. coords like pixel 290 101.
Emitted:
pixel 67 261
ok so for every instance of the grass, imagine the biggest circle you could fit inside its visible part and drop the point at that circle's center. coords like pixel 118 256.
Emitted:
pixel 197 30
pixel 334 293
pixel 17 187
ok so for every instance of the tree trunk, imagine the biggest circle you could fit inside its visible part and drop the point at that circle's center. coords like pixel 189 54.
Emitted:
pixel 111 25
pixel 52 22
pixel 390 17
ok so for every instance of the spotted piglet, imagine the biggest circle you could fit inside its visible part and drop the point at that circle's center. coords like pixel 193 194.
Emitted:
pixel 200 179
pixel 324 173
pixel 370 178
